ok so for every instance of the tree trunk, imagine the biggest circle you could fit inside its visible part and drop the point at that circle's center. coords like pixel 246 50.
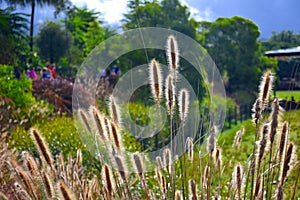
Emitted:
pixel 31 27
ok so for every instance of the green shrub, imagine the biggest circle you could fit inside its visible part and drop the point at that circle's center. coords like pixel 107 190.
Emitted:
pixel 60 134
pixel 19 91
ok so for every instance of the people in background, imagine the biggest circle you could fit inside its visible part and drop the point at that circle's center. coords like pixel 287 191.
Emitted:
pixel 46 74
pixel 32 74
pixel 52 70
pixel 17 73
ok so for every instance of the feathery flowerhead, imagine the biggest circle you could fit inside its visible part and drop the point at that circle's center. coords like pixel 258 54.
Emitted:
pixel 178 195
pixel 99 123
pixel 183 103
pixel 65 191
pixel 193 189
pixel 265 88
pixel 217 155
pixel 84 118
pixel 138 164
pixel 237 178
pixel 155 80
pixel 212 140
pixel 168 159
pixel 121 166
pixel 283 141
pixel 172 54
pixel 190 148
pixel 275 119
pixel 114 132
pixel 263 143
pixel 42 147
pixel 287 165
pixel 170 94
pixel 107 177
pixel 238 137
pixel 114 111
pixel 257 110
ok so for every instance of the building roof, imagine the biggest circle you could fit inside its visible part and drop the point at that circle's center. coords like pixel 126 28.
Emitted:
pixel 295 51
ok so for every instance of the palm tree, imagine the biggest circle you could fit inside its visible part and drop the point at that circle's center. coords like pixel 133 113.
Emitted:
pixel 58 4
pixel 13 27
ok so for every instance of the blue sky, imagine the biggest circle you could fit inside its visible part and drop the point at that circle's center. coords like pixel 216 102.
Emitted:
pixel 269 15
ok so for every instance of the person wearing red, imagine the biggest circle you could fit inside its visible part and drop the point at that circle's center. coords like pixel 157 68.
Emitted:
pixel 52 71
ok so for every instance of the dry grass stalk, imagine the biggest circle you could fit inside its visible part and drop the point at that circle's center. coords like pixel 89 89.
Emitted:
pixel 183 104
pixel 170 94
pixel 32 165
pixel 42 147
pixel 238 137
pixel 155 81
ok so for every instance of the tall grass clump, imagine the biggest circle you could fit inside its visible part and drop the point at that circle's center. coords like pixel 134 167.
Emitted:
pixel 205 170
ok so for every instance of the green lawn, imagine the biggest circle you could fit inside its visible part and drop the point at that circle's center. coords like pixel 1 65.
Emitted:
pixel 288 94
pixel 232 155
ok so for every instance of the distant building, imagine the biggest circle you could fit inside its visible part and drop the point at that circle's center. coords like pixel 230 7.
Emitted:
pixel 289 62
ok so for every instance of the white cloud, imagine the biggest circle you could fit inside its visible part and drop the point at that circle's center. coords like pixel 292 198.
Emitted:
pixel 112 10
pixel 203 15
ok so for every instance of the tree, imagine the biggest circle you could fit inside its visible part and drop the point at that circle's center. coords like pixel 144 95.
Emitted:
pixel 165 14
pixel 53 41
pixel 87 32
pixel 13 27
pixel 59 5
pixel 281 40
pixel 233 44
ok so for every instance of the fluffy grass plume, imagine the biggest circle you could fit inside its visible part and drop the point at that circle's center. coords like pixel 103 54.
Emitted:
pixel 265 88
pixel 183 103
pixel 155 81
pixel 257 110
pixel 107 177
pixel 275 119
pixel 173 55
pixel 65 192
pixel 85 119
pixel 237 179
pixel 170 94
pixel 42 147
pixel 114 111
pixel 190 148
pixel 98 119
pixel 238 137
